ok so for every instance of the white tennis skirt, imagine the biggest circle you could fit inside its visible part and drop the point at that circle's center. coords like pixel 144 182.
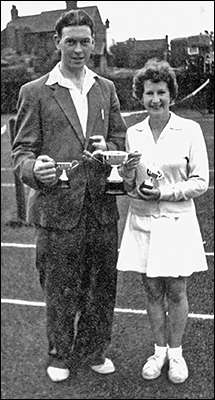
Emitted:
pixel 164 246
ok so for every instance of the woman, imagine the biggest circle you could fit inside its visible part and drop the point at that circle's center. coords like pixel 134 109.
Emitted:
pixel 162 239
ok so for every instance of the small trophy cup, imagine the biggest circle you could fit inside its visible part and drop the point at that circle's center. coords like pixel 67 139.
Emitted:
pixel 63 180
pixel 115 181
pixel 153 174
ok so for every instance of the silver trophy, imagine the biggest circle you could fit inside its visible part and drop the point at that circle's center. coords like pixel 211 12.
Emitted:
pixel 63 180
pixel 153 174
pixel 115 183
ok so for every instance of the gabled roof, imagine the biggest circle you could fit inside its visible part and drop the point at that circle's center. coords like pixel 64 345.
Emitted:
pixel 45 21
pixel 150 45
pixel 198 40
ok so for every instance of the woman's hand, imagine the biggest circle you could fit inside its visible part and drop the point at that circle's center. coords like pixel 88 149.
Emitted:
pixel 133 161
pixel 45 170
pixel 148 194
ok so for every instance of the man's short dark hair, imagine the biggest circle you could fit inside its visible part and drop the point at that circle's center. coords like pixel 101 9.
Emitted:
pixel 74 18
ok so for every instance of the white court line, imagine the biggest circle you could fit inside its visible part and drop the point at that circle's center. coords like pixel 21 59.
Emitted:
pixel 117 310
pixel 9 185
pixel 3 169
pixel 20 245
pixel 3 129
pixel 144 312
pixel 33 246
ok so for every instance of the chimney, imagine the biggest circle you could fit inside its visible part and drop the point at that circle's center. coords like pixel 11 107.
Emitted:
pixel 14 13
pixel 71 5
pixel 107 23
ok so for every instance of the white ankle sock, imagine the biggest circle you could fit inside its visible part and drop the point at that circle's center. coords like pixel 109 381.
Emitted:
pixel 160 350
pixel 174 352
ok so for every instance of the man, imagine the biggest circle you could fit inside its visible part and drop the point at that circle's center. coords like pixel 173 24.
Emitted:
pixel 76 246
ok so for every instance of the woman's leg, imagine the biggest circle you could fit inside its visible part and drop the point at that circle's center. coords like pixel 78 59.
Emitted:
pixel 176 292
pixel 178 314
pixel 155 291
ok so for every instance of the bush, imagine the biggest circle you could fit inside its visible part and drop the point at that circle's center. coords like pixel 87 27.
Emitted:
pixel 12 78
pixel 187 83
pixel 123 81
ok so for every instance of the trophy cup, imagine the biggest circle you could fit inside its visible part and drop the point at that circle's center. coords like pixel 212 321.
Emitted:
pixel 153 174
pixel 63 180
pixel 115 181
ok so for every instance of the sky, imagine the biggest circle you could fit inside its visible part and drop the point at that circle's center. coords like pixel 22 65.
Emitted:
pixel 141 20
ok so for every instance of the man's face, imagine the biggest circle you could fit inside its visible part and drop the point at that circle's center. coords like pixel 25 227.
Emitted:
pixel 76 45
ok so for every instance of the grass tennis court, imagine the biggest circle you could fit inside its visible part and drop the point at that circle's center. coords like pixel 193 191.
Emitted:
pixel 24 345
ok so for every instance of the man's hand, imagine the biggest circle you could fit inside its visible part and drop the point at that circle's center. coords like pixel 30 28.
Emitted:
pixel 45 170
pixel 98 144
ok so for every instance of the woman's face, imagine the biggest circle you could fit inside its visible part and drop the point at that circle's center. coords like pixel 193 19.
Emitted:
pixel 156 98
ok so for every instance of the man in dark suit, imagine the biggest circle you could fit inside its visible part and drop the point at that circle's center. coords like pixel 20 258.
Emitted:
pixel 76 246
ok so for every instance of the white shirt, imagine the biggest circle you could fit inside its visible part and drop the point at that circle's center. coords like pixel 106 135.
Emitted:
pixel 180 153
pixel 79 99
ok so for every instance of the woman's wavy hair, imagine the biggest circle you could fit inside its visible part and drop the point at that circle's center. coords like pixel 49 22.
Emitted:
pixel 155 71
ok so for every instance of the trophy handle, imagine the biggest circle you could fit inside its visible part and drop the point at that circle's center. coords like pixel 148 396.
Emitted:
pixel 74 164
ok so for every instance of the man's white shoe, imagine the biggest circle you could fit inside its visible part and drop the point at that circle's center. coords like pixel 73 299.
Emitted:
pixel 57 374
pixel 106 368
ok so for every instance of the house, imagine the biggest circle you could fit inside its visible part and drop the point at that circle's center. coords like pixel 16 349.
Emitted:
pixel 146 49
pixel 134 53
pixel 193 52
pixel 33 34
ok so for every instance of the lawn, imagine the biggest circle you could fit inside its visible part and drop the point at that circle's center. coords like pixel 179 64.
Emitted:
pixel 24 343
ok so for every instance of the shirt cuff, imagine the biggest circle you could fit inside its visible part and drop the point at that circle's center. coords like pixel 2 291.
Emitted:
pixel 166 192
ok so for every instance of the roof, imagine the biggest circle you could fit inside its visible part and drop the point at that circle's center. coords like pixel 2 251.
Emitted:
pixel 150 45
pixel 198 40
pixel 45 22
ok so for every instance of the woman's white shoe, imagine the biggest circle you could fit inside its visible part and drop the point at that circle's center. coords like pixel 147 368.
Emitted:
pixel 178 371
pixel 152 368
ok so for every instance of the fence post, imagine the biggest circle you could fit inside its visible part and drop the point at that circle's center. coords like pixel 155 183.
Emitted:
pixel 19 187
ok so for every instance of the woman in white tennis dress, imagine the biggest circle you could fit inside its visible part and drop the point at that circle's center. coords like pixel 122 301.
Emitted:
pixel 162 238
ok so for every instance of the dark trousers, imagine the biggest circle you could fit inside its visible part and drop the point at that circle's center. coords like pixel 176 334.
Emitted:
pixel 77 271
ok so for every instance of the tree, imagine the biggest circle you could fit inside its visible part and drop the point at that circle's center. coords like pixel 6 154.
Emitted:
pixel 123 53
pixel 120 55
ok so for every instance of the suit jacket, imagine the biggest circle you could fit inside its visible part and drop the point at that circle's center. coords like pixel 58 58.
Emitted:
pixel 47 124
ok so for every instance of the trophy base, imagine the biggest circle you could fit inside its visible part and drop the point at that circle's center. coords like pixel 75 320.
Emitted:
pixel 115 188
pixel 63 184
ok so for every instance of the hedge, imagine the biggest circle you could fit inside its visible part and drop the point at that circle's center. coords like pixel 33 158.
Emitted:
pixel 187 83
pixel 14 77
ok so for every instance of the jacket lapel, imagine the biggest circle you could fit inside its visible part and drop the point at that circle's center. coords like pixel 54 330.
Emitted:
pixel 95 104
pixel 64 100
